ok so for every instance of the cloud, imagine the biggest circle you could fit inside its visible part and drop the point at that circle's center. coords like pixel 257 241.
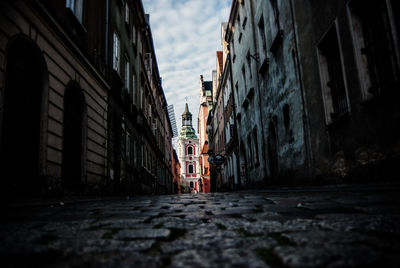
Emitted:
pixel 186 34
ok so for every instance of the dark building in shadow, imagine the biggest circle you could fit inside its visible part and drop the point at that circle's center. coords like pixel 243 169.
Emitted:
pixel 316 90
pixel 72 77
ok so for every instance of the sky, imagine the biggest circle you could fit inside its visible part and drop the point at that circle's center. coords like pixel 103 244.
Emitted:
pixel 186 36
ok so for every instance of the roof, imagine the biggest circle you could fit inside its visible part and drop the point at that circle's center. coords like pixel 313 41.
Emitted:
pixel 186 112
pixel 204 150
pixel 187 132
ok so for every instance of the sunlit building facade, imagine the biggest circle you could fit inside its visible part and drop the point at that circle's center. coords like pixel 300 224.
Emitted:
pixel 188 154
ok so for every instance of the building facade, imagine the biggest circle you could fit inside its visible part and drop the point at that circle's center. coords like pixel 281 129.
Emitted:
pixel 247 96
pixel 352 103
pixel 140 133
pixel 315 94
pixel 88 125
pixel 176 173
pixel 282 105
pixel 188 154
pixel 205 107
pixel 53 97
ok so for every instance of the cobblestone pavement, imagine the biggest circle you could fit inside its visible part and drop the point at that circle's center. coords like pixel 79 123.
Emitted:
pixel 312 227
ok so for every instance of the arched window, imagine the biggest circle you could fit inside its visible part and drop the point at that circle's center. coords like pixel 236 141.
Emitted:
pixel 190 169
pixel 190 150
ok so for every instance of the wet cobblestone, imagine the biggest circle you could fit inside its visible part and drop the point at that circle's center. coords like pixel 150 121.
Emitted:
pixel 343 226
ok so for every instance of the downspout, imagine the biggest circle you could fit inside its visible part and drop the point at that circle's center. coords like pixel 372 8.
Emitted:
pixel 305 116
pixel 259 91
pixel 107 165
pixel 107 30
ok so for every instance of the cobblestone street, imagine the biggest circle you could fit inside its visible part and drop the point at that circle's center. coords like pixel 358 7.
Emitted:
pixel 331 226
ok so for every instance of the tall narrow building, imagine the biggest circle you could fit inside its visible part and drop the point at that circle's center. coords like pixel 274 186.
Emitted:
pixel 205 107
pixel 188 154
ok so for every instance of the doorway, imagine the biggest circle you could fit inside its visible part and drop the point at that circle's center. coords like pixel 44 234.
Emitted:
pixel 73 136
pixel 273 152
pixel 21 119
pixel 243 181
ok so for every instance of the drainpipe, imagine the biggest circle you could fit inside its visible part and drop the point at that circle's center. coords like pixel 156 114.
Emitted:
pixel 258 89
pixel 107 165
pixel 305 116
pixel 107 29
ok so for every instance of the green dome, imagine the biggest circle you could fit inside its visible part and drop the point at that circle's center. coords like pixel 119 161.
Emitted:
pixel 187 132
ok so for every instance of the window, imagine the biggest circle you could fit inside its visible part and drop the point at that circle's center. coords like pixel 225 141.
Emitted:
pixel 244 76
pixel 237 89
pixel 76 7
pixel 116 53
pixel 128 148
pixel 255 145
pixel 190 150
pixel 126 13
pixel 190 169
pixel 191 184
pixel 244 23
pixel 127 75
pixel 286 116
pixel 332 76
pixel 373 46
pixel 133 83
pixel 249 151
pixel 261 32
pixel 248 58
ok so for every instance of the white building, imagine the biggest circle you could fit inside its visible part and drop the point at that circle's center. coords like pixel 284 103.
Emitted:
pixel 188 153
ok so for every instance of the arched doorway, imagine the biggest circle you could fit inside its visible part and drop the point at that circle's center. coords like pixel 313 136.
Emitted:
pixel 21 119
pixel 73 136
pixel 273 152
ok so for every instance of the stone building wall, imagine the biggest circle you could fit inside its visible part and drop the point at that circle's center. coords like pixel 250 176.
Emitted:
pixel 65 67
pixel 246 91
pixel 281 102
pixel 356 141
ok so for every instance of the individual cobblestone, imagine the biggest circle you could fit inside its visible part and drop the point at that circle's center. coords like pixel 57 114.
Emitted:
pixel 342 226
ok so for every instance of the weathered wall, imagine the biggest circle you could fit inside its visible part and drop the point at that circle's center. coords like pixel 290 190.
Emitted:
pixel 280 88
pixel 242 49
pixel 370 131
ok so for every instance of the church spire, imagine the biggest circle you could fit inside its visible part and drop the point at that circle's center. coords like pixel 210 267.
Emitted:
pixel 186 117
pixel 187 130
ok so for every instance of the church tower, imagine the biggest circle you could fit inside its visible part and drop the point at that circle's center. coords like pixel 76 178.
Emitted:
pixel 188 154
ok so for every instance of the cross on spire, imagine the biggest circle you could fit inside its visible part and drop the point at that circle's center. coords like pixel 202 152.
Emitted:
pixel 186 98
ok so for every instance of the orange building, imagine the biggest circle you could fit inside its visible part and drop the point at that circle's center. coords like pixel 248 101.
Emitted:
pixel 176 173
pixel 205 107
